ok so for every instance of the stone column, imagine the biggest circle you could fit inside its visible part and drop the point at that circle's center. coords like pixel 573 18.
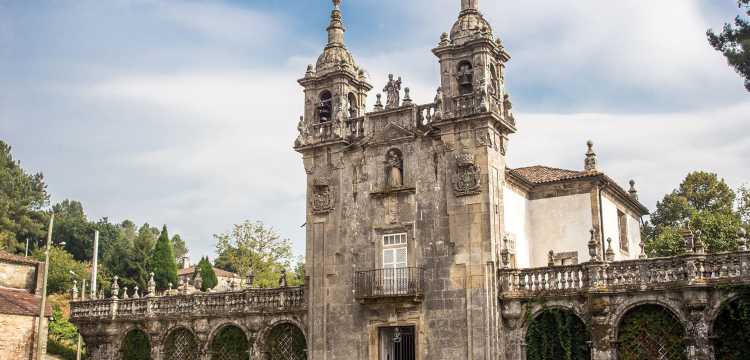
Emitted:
pixel 513 337
pixel 603 346
pixel 699 346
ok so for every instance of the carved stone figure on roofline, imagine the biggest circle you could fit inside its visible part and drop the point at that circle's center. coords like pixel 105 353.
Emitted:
pixel 393 92
pixel 439 104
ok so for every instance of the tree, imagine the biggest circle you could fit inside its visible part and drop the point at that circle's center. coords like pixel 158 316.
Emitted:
pixel 163 262
pixel 250 245
pixel 208 275
pixel 298 273
pixel 142 254
pixel 22 197
pixel 703 202
pixel 72 227
pixel 180 248
pixel 743 205
pixel 734 42
pixel 61 263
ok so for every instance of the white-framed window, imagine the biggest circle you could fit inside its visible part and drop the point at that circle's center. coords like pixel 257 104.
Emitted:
pixel 395 264
pixel 394 239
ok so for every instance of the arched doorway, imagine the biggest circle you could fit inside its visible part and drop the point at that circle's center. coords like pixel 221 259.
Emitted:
pixel 650 332
pixel 230 343
pixel 732 330
pixel 136 346
pixel 180 345
pixel 286 342
pixel 557 334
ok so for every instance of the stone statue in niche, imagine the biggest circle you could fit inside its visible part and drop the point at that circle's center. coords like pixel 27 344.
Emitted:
pixel 395 169
pixel 322 199
pixel 393 92
pixel 467 179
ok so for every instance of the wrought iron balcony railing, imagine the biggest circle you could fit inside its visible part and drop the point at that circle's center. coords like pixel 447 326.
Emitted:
pixel 389 283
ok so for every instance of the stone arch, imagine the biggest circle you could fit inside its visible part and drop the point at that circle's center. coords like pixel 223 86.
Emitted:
pixel 229 341
pixel 553 332
pixel 650 329
pixel 730 327
pixel 465 77
pixel 262 343
pixel 131 345
pixel 180 343
pixel 325 106
pixel 353 105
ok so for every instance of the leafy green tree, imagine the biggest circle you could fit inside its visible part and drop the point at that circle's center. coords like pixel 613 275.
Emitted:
pixel 142 255
pixel 743 205
pixel 22 197
pixel 208 275
pixel 703 202
pixel 298 273
pixel 61 263
pixel 72 227
pixel 180 248
pixel 163 261
pixel 250 245
pixel 734 42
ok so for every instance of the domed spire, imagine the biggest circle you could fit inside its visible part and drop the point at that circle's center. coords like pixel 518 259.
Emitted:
pixel 336 28
pixel 469 5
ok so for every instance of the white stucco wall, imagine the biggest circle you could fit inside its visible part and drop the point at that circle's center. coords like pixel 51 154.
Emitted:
pixel 612 230
pixel 560 224
pixel 517 224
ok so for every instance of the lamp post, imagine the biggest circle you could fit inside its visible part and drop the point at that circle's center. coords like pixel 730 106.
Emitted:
pixel 39 343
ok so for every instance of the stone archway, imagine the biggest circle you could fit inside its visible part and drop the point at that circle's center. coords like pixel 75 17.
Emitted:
pixel 557 334
pixel 229 343
pixel 285 341
pixel 650 331
pixel 181 344
pixel 136 346
pixel 731 329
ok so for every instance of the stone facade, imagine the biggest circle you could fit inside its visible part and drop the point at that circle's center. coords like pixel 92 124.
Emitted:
pixel 410 246
pixel 20 290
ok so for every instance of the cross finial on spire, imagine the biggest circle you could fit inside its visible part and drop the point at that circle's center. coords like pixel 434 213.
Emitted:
pixel 336 28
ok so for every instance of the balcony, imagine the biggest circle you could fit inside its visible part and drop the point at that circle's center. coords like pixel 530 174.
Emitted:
pixel 393 284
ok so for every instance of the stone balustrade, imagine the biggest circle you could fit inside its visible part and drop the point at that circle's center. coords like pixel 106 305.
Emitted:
pixel 630 275
pixel 247 301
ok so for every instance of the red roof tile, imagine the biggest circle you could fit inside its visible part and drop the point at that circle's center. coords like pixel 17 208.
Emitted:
pixel 544 174
pixel 7 257
pixel 218 272
pixel 18 302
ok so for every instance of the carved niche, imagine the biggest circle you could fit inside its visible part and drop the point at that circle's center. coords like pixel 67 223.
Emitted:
pixel 322 197
pixel 466 180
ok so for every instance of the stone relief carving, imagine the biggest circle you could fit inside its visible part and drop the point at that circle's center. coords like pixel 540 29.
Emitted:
pixel 467 179
pixel 393 92
pixel 322 197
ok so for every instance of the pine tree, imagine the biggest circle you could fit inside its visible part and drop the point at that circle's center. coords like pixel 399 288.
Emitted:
pixel 207 274
pixel 163 261
pixel 734 42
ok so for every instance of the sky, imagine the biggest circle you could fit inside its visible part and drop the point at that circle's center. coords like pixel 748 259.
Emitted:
pixel 184 112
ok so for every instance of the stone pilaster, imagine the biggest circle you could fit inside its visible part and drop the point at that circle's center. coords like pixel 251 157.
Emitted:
pixel 602 330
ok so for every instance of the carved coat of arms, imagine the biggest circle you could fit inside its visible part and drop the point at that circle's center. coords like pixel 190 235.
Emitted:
pixel 322 199
pixel 467 179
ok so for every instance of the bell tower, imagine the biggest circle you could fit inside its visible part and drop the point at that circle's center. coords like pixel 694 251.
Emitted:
pixel 335 88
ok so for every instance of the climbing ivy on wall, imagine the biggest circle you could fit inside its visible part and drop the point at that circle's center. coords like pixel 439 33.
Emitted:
pixel 135 346
pixel 650 332
pixel 230 344
pixel 557 334
pixel 732 329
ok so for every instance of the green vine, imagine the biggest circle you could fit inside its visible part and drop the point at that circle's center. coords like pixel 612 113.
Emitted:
pixel 136 346
pixel 230 343
pixel 651 332
pixel 557 334
pixel 732 325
